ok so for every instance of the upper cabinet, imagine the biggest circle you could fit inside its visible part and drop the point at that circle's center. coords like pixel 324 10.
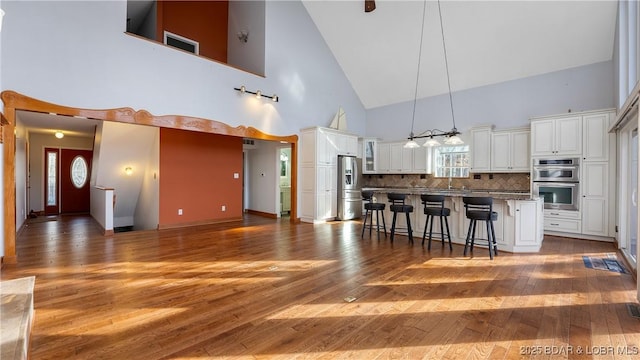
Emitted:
pixel 394 158
pixel 595 137
pixel 323 145
pixel 556 136
pixel 510 151
pixel 480 149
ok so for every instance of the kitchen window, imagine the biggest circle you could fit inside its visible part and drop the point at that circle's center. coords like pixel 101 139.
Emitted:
pixel 451 161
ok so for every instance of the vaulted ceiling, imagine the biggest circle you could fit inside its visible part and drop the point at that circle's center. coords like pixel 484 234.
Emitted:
pixel 487 42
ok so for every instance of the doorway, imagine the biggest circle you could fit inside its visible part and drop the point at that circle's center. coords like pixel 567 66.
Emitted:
pixel 284 170
pixel 66 184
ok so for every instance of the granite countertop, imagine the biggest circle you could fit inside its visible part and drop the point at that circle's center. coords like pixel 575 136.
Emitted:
pixel 496 194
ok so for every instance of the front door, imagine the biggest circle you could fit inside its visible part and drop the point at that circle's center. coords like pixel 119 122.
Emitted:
pixel 74 180
pixel 67 174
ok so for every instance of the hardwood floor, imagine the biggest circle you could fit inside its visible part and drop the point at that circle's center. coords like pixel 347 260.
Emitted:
pixel 262 288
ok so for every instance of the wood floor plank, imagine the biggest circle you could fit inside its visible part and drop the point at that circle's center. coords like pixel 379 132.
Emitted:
pixel 268 289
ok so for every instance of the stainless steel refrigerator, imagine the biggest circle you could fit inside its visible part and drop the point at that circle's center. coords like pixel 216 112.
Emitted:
pixel 349 186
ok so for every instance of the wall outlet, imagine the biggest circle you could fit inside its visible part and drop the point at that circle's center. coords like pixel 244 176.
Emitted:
pixel 236 176
pixel 224 208
pixel 179 211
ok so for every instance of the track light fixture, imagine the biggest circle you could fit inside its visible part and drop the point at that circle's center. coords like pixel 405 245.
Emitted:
pixel 243 90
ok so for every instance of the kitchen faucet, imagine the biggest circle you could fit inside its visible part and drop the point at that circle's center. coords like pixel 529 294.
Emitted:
pixel 449 187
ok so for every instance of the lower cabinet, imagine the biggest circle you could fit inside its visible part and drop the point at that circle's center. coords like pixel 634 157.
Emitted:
pixel 519 227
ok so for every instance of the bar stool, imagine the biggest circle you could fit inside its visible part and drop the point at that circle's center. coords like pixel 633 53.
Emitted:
pixel 434 206
pixel 398 206
pixel 369 208
pixel 480 209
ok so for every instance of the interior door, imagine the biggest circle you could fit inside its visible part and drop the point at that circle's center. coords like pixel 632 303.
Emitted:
pixel 75 168
pixel 51 181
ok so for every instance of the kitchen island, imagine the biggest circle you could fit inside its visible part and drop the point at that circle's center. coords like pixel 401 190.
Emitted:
pixel 519 227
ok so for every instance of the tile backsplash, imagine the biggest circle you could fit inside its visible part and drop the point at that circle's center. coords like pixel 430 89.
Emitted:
pixel 511 181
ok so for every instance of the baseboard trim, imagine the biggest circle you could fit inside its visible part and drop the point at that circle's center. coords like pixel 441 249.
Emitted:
pixel 261 213
pixel 579 236
pixel 196 223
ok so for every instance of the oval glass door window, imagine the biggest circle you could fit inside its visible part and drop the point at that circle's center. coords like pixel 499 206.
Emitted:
pixel 79 171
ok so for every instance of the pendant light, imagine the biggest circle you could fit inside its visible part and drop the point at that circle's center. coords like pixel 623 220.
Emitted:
pixel 452 137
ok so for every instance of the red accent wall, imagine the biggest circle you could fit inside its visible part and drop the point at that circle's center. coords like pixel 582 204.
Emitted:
pixel 196 175
pixel 203 21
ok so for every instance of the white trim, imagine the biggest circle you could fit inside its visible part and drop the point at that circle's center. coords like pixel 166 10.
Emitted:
pixel 168 34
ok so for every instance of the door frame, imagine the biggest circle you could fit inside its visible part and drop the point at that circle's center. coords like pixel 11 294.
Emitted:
pixel 14 101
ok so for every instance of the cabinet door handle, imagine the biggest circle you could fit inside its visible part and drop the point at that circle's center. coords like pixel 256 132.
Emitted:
pixel 555 224
pixel 554 214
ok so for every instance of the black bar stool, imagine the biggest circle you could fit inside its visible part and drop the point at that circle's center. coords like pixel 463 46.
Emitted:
pixel 480 209
pixel 398 206
pixel 369 208
pixel 434 206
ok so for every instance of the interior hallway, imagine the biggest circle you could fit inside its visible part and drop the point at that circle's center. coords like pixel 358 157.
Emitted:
pixel 271 289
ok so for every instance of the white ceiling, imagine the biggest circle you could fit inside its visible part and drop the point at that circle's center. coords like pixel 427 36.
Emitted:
pixel 487 42
pixel 50 123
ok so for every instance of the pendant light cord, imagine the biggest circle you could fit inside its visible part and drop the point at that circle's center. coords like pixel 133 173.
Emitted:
pixel 415 95
pixel 446 64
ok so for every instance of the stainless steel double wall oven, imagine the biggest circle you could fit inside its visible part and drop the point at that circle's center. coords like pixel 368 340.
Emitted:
pixel 558 182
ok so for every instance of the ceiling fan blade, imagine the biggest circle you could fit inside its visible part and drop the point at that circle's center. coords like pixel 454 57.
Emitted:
pixel 369 5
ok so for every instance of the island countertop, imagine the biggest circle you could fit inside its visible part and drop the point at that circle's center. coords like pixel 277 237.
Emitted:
pixel 497 194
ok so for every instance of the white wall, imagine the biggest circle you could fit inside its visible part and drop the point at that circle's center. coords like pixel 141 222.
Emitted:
pixel 126 145
pixel 21 181
pixel 247 16
pixel 263 185
pixel 505 105
pixel 147 213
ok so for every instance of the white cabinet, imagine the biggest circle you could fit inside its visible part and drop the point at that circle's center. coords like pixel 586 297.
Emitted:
pixel 595 209
pixel 556 136
pixel 421 160
pixel 320 148
pixel 595 137
pixel 510 151
pixel 394 158
pixel 384 157
pixel 401 158
pixel 586 135
pixel 285 199
pixel 480 149
pixel 528 232
pixel 597 185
